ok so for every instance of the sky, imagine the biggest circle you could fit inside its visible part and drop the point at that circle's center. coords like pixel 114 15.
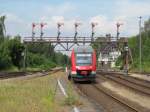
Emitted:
pixel 22 13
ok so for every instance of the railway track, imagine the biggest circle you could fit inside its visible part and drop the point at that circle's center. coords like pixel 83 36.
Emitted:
pixel 109 102
pixel 136 80
pixel 7 75
pixel 121 102
pixel 138 85
pixel 106 97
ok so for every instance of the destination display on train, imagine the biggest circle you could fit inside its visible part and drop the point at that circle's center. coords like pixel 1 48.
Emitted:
pixel 83 55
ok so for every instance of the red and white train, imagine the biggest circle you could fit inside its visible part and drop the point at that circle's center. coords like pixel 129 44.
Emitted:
pixel 83 64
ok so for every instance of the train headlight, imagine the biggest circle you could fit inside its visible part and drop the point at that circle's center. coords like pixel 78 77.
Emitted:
pixel 93 72
pixel 73 72
pixel 77 67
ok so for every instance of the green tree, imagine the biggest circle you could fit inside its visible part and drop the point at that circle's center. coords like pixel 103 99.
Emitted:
pixel 16 49
pixel 147 25
pixel 41 48
pixel 5 59
pixel 2 27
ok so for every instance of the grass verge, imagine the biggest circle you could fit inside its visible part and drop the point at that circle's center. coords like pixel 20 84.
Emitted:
pixel 32 95
pixel 72 98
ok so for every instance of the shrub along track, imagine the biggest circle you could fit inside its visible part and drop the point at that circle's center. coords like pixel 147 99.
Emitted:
pixel 111 101
pixel 7 75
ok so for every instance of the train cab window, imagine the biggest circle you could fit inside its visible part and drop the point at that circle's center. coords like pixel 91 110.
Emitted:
pixel 83 59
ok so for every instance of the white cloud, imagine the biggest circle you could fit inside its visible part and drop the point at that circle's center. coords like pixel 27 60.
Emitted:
pixel 129 11
pixel 126 12
pixel 132 9
pixel 57 10
pixel 12 18
pixel 52 20
pixel 53 14
pixel 129 25
pixel 104 25
pixel 15 25
pixel 52 24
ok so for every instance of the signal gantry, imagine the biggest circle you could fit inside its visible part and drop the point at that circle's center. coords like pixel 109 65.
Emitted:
pixel 67 43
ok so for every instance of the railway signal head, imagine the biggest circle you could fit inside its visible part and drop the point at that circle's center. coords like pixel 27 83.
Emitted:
pixel 94 24
pixel 77 24
pixel 59 24
pixel 43 24
pixel 119 24
pixel 34 25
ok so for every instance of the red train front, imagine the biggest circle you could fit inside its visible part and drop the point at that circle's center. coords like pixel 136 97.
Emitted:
pixel 83 63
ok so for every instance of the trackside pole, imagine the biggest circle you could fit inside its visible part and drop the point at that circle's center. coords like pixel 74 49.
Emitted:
pixel 126 66
pixel 24 58
pixel 67 73
pixel 66 70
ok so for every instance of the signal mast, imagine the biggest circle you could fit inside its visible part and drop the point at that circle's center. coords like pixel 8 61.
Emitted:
pixel 41 29
pixel 118 26
pixel 93 24
pixel 33 30
pixel 59 24
pixel 76 25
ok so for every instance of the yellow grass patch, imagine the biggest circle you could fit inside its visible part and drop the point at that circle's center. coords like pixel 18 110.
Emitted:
pixel 29 95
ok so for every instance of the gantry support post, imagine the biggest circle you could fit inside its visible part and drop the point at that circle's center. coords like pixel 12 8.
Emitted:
pixel 126 58
pixel 58 31
pixel 58 35
pixel 41 30
pixel 76 25
pixel 93 24
pixel 118 26
pixel 25 58
pixel 140 46
pixel 76 32
pixel 33 32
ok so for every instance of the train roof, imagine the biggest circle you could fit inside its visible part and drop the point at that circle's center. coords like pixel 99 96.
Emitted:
pixel 85 49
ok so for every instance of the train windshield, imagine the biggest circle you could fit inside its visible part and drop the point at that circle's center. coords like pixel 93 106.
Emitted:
pixel 83 59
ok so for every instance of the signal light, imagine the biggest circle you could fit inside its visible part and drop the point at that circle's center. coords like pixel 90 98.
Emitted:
pixel 43 24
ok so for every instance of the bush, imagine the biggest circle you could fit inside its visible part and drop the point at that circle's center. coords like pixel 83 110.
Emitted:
pixel 39 56
pixel 16 49
pixel 133 44
pixel 39 61
pixel 11 53
pixel 5 59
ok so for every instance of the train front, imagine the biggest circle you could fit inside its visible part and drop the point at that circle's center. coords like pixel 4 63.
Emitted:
pixel 83 62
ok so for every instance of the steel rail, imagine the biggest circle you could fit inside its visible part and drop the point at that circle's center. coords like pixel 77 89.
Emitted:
pixel 132 85
pixel 115 98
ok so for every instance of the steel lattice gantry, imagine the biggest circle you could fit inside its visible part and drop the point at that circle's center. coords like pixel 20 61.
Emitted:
pixel 68 42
